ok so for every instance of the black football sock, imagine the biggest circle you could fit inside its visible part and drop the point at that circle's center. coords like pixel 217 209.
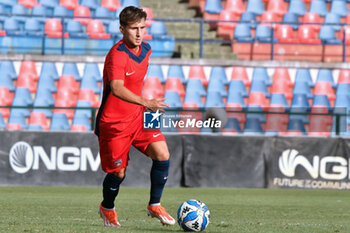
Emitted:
pixel 159 176
pixel 111 185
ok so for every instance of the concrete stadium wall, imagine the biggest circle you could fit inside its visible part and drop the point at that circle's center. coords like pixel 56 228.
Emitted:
pixel 65 158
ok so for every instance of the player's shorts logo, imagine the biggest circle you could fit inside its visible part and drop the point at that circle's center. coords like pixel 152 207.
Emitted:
pixel 151 120
pixel 21 157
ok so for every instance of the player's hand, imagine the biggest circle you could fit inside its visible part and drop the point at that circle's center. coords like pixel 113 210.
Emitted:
pixel 156 104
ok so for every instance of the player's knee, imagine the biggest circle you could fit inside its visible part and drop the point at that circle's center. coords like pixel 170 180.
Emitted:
pixel 162 156
pixel 120 174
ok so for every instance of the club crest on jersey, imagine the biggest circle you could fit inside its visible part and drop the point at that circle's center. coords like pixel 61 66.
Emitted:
pixel 118 163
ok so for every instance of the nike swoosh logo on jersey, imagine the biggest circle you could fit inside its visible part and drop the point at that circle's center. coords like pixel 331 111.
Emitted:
pixel 127 74
pixel 156 135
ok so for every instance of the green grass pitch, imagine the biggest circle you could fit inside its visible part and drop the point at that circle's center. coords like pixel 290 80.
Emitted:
pixel 74 209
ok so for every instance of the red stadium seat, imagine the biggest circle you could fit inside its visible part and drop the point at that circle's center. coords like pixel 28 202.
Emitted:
pixel 88 95
pixel 276 123
pixel 320 125
pixel 285 34
pixel 13 126
pixel 280 86
pixel 279 7
pixel 78 128
pixel 344 76
pixel 282 73
pixel 67 82
pixel 28 3
pixel 325 88
pixel 95 30
pixel 84 14
pixel 197 72
pixel 269 17
pixel 6 98
pixel 225 30
pixel 27 81
pixel 70 4
pixel 313 19
pixel 39 118
pixel 65 98
pixel 258 99
pixel 152 87
pixel 235 6
pixel 53 28
pixel 175 84
pixel 111 5
pixel 150 16
pixel 240 73
pixel 29 67
pixel 310 47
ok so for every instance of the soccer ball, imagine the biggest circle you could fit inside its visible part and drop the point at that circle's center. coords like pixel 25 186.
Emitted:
pixel 193 215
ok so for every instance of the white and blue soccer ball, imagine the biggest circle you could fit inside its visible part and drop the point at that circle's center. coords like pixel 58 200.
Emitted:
pixel 193 215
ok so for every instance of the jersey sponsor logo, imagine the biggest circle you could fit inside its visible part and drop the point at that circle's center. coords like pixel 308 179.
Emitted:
pixel 128 74
pixel 24 157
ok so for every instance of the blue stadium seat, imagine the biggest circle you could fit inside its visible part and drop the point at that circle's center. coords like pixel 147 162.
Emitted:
pixel 162 46
pixel 321 101
pixel 343 89
pixel 327 35
pixel 297 7
pixel 213 6
pixel 18 119
pixel 35 127
pixel 193 97
pixel 232 125
pixel 302 88
pixel 85 121
pixel 260 73
pixel 83 112
pixel 12 28
pixel 296 125
pixel 235 99
pixel 89 82
pixel 20 13
pixel 176 71
pixel 259 86
pixel 303 75
pixel 172 98
pixel 195 85
pixel 76 43
pixel 61 11
pixel 342 104
pixel 242 33
pixel 249 19
pixel 7 68
pixel 44 104
pixel 264 34
pixel 291 19
pixel 326 76
pixel 300 105
pixel 23 93
pixel 318 7
pixel 47 83
pixel 71 68
pixel 6 81
pixel 340 8
pixel 218 73
pixel 20 102
pixel 59 122
pixel 32 42
pixel 8 5
pixel 333 20
pixel 45 94
pixel 49 69
pixel 237 86
pixel 49 4
pixel 91 69
pixel 252 126
pixel 158 29
pixel 214 99
pixel 113 30
pixel 126 3
pixel 92 4
pixel 155 70
pixel 255 6
pixel 278 100
pixel 32 27
pixel 2 123
pixel 218 86
pixel 40 13
pixel 104 15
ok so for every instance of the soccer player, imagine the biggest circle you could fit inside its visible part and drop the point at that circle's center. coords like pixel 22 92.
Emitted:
pixel 119 122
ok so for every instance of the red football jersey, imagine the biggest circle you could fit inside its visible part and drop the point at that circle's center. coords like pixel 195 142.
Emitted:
pixel 125 64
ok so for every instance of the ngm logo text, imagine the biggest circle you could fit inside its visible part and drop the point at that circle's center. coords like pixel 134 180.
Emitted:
pixel 326 167
pixel 23 157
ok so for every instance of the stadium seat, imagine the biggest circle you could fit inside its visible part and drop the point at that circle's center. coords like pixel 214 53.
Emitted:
pixel 59 122
pixel 197 72
pixel 92 4
pixel 150 16
pixel 235 6
pixel 23 106
pixel 320 104
pixel 303 75
pixel 263 34
pixel 91 69
pixel 95 30
pixel 333 20
pixel 40 13
pixel 81 121
pixel 281 86
pixel 193 100
pixel 176 71
pixel 17 122
pixel 155 70
pixel 88 95
pixel 260 73
pixel 343 89
pixel 258 99
pixel 28 3
pixel 49 3
pixel 32 27
pixel 259 86
pixel 278 101
pixel 89 82
pixel 104 14
pixel 237 86
pixel 325 75
pixel 13 126
pixel 7 82
pixel 231 127
pixel 7 68
pixel 302 88
pixel 113 29
pixel 291 19
pixel 295 128
pixel 314 19
pixel 68 82
pixel 301 107
pixel 45 102
pixel 307 34
pixel 69 4
pixel 5 100
pixel 252 126
pixel 39 118
pixel 318 7
pixel 248 18
pixel 126 3
pixel 49 69
pixel 111 5
pixel 297 7
pixel 53 28
pixel 75 29
pixel 2 122
pixel 19 13
pixel 255 6
pixel 172 98
pixel 70 68
pixel 158 29
pixel 225 29
pixel 340 8
pixel 78 128
pixel 235 101
pixel 61 11
pixel 218 73
pixel 240 73
pixel 218 86
pixel 152 88
pixel 12 28
pixel 25 80
pixel 214 99
pixel 83 112
pixel 243 44
pixel 195 85
pixel 175 84
pixel 279 7
pixel 344 76
pixel 82 14
pixel 213 6
pixel 242 33
pixel 342 104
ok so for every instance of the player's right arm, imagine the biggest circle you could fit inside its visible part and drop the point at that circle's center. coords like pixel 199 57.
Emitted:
pixel 120 91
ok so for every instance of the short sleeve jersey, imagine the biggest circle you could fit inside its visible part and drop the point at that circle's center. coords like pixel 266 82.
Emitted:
pixel 125 64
